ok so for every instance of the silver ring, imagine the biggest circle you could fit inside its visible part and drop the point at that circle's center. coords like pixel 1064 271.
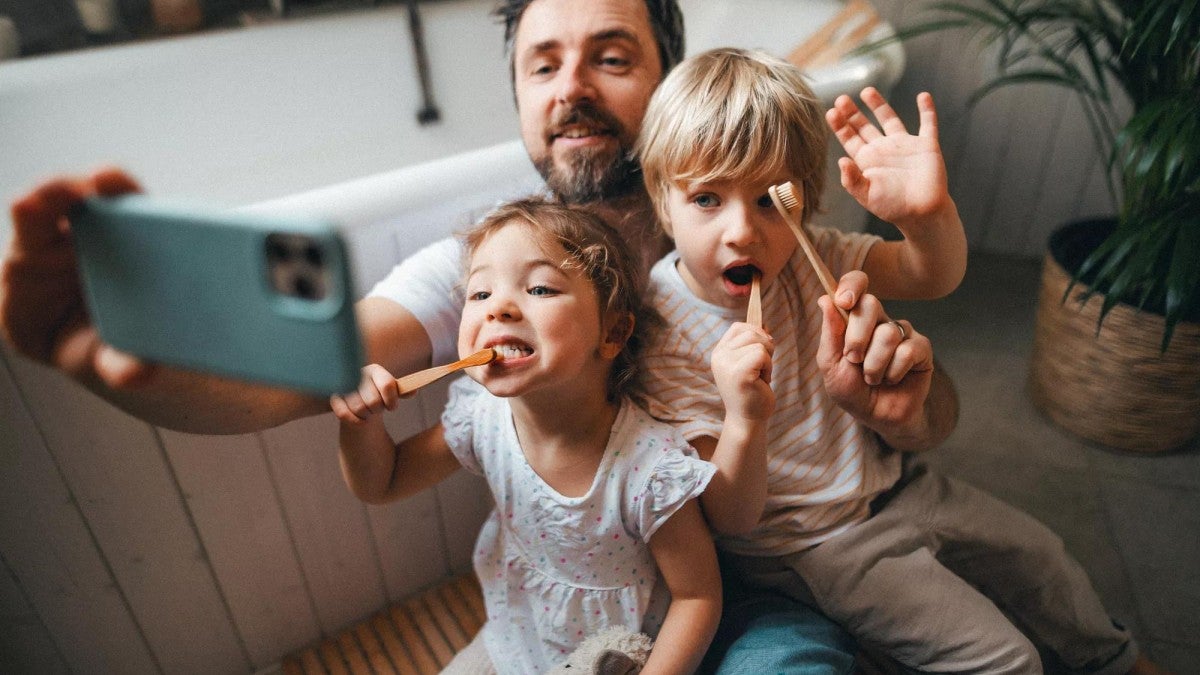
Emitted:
pixel 900 327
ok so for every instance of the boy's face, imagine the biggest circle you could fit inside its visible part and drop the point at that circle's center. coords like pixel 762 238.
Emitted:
pixel 725 231
pixel 543 319
pixel 583 73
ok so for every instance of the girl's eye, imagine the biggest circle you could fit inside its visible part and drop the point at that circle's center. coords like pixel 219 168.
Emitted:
pixel 705 200
pixel 765 201
pixel 479 295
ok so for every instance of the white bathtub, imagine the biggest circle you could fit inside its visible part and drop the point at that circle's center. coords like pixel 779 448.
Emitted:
pixel 125 548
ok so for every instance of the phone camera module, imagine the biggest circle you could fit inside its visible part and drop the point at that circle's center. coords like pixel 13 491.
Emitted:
pixel 296 266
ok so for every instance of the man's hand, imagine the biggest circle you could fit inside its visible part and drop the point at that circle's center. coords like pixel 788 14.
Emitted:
pixel 876 370
pixel 42 310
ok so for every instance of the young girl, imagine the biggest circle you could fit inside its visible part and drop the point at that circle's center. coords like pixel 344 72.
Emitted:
pixel 596 522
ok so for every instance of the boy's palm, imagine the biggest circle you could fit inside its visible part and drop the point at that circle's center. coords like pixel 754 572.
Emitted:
pixel 895 175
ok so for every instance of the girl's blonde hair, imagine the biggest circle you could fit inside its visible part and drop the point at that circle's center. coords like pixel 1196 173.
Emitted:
pixel 598 251
pixel 733 114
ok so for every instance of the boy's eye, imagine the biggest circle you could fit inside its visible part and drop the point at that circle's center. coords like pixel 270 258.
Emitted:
pixel 765 201
pixel 705 200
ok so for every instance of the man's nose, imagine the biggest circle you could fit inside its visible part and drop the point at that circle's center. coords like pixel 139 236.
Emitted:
pixel 574 83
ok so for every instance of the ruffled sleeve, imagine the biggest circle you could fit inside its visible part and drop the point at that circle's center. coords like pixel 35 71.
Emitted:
pixel 458 421
pixel 675 479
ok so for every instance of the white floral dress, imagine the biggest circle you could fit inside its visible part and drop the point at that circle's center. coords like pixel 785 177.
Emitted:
pixel 557 569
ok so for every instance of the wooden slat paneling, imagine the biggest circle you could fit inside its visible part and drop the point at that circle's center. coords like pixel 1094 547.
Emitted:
pixel 233 501
pixel 328 524
pixel 80 562
pixel 25 644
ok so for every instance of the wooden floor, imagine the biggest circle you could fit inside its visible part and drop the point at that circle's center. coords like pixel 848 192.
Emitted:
pixel 417 636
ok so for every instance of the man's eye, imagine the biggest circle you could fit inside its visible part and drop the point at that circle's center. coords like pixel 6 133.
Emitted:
pixel 705 200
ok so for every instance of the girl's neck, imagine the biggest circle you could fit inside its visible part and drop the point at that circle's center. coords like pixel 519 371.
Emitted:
pixel 563 437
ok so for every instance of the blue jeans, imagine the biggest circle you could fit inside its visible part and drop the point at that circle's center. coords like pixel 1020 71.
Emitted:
pixel 764 633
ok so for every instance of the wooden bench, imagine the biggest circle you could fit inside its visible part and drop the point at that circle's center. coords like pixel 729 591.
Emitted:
pixel 417 636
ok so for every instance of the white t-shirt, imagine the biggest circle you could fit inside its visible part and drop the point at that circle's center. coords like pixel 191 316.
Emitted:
pixel 555 569
pixel 823 466
pixel 429 284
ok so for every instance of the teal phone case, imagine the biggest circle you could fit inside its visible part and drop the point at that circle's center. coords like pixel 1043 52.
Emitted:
pixel 212 292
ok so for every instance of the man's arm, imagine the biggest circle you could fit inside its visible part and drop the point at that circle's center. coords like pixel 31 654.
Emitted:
pixel 43 316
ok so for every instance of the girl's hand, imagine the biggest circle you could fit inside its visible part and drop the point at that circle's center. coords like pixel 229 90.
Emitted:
pixel 378 391
pixel 741 365
pixel 899 177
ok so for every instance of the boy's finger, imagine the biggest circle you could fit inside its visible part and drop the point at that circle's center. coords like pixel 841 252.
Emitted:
pixel 856 118
pixel 929 118
pixel 888 119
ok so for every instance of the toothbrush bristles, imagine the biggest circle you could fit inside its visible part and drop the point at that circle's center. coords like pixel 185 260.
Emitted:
pixel 787 195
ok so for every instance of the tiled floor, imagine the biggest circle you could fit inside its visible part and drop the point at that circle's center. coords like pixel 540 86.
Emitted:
pixel 1133 521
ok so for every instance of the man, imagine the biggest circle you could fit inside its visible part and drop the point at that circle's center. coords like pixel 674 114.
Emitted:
pixel 583 72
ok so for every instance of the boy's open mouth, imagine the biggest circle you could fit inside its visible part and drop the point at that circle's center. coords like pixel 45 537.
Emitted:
pixel 741 275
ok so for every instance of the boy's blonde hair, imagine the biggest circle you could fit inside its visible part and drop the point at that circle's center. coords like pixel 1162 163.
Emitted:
pixel 598 251
pixel 733 114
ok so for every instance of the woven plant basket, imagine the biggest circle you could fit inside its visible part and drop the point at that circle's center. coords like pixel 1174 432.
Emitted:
pixel 1115 386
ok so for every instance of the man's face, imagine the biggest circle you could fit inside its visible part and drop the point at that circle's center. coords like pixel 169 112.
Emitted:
pixel 583 72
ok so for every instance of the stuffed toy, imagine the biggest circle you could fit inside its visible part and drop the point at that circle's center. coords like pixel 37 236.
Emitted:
pixel 612 651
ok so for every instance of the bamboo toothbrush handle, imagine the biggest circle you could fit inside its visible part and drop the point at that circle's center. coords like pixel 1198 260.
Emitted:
pixel 754 308
pixel 818 265
pixel 410 383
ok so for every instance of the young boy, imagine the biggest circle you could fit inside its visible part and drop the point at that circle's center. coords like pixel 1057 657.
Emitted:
pixel 807 498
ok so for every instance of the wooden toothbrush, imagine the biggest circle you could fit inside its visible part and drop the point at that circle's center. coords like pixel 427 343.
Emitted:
pixel 786 200
pixel 414 381
pixel 754 309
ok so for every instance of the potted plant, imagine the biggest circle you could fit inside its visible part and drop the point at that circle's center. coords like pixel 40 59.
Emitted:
pixel 1117 349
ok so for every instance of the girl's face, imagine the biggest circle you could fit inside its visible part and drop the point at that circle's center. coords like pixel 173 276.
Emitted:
pixel 543 319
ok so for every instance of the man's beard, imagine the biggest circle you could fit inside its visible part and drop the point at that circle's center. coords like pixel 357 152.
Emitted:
pixel 591 174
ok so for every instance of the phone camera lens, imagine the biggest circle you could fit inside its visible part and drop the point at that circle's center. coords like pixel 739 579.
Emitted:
pixel 277 250
pixel 313 255
pixel 304 288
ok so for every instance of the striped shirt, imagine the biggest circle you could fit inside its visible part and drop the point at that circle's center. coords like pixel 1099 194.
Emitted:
pixel 824 468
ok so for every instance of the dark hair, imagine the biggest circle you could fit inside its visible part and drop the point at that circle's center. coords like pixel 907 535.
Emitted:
pixel 599 252
pixel 666 22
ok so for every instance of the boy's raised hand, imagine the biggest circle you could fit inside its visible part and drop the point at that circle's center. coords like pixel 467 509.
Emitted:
pixel 899 177
pixel 378 391
pixel 741 365
pixel 873 369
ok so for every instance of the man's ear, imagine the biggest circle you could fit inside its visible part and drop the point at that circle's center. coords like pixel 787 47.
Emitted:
pixel 617 328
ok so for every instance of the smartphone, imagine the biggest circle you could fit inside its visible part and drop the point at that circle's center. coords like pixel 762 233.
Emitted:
pixel 243 296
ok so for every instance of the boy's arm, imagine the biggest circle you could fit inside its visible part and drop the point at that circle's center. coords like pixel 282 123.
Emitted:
pixel 901 179
pixel 684 552
pixel 737 493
